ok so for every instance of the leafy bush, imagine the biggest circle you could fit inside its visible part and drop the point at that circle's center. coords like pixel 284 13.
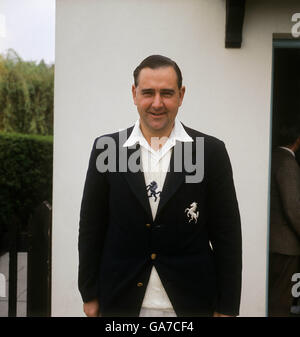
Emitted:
pixel 25 176
pixel 26 95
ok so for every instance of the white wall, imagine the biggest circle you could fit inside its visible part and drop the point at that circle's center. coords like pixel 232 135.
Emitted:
pixel 98 45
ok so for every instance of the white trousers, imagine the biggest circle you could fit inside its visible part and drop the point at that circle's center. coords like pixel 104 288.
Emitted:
pixel 157 313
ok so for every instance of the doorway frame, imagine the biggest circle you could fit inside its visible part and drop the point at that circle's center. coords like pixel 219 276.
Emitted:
pixel 284 41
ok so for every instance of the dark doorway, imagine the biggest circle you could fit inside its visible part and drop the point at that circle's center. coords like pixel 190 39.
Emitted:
pixel 286 89
pixel 284 259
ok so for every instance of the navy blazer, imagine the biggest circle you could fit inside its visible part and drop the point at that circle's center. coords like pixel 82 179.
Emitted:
pixel 199 263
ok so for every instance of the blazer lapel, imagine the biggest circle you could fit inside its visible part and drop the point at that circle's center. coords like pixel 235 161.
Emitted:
pixel 173 179
pixel 136 180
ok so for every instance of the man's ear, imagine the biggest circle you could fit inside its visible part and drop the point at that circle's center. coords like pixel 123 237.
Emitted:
pixel 296 145
pixel 181 94
pixel 133 89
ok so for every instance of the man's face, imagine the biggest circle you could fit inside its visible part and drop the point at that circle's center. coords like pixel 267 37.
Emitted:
pixel 157 98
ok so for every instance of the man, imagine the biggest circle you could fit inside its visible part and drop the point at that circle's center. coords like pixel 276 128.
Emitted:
pixel 160 241
pixel 284 222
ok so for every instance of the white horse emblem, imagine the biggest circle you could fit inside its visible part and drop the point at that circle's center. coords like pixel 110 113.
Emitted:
pixel 191 212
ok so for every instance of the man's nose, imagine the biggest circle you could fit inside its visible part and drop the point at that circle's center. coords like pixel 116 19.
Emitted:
pixel 157 101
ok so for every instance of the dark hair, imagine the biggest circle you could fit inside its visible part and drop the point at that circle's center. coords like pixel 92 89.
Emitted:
pixel 288 134
pixel 154 62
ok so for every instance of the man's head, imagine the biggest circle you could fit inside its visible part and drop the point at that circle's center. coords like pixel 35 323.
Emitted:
pixel 157 93
pixel 154 62
pixel 289 136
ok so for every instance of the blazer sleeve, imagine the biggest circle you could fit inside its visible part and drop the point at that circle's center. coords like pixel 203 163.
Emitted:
pixel 92 228
pixel 288 182
pixel 225 231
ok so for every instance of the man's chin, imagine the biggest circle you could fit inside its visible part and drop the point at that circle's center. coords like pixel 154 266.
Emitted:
pixel 158 127
pixel 160 130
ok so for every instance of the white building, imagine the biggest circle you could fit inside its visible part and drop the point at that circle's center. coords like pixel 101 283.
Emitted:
pixel 228 95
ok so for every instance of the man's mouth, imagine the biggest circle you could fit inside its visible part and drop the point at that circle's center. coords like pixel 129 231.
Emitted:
pixel 156 113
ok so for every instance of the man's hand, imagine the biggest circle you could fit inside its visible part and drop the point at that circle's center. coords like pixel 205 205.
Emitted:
pixel 217 314
pixel 91 309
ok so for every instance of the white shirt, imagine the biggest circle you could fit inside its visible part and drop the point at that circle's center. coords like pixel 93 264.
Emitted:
pixel 155 165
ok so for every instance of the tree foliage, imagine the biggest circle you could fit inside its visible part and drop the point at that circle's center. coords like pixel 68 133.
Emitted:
pixel 26 95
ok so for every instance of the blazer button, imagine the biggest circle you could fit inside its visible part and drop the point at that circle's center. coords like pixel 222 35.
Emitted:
pixel 148 225
pixel 153 256
pixel 140 284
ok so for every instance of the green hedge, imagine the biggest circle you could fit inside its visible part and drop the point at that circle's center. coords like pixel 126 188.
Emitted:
pixel 25 176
